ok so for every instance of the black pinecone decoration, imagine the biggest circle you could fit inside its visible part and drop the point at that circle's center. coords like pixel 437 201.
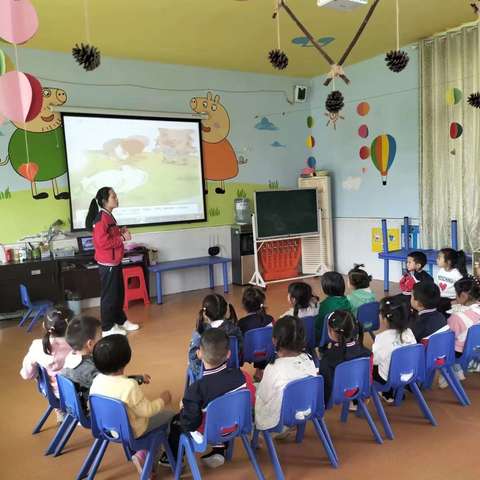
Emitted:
pixel 397 60
pixel 278 59
pixel 87 56
pixel 474 100
pixel 334 102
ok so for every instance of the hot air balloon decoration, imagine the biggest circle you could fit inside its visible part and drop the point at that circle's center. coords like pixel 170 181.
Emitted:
pixel 383 151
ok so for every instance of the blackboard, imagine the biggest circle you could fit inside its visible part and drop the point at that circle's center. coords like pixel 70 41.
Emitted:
pixel 282 213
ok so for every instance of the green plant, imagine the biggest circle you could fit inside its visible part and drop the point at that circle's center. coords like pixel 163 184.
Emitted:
pixel 241 193
pixel 273 184
pixel 214 212
pixel 6 195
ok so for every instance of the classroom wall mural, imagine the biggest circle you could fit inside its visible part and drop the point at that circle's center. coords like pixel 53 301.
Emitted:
pixel 34 189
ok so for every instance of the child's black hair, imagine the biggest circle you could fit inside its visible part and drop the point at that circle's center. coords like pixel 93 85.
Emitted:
pixel 396 312
pixel 427 294
pixel 418 257
pixel 455 259
pixel 112 353
pixel 333 284
pixel 345 325
pixel 214 345
pixel 302 293
pixel 101 198
pixel 289 333
pixel 80 330
pixel 215 307
pixel 359 278
pixel 55 324
pixel 469 285
pixel 253 301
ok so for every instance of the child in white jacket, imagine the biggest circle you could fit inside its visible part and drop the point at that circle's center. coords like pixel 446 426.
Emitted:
pixel 291 363
pixel 394 315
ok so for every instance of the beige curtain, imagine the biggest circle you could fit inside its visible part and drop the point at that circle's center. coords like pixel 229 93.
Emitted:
pixel 450 168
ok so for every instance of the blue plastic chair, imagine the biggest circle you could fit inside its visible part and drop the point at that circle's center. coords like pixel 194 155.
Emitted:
pixel 302 402
pixel 37 309
pixel 352 382
pixel 258 345
pixel 407 367
pixel 471 349
pixel 325 338
pixel 226 418
pixel 110 424
pixel 367 316
pixel 440 355
pixel 44 387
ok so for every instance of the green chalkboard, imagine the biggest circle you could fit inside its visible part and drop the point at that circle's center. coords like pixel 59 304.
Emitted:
pixel 281 213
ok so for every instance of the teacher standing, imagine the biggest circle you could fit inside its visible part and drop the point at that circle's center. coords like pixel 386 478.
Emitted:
pixel 108 240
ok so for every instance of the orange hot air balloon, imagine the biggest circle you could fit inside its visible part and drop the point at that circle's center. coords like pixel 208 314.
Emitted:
pixel 383 151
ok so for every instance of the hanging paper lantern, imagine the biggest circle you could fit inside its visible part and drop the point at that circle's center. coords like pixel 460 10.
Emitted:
pixel 18 21
pixel 454 96
pixel 364 152
pixel 310 141
pixel 278 59
pixel 456 130
pixel 363 131
pixel 86 56
pixel 310 121
pixel 397 60
pixel 28 170
pixel 311 162
pixel 363 108
pixel 383 151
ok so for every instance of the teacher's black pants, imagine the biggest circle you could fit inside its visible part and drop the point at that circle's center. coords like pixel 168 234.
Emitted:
pixel 111 296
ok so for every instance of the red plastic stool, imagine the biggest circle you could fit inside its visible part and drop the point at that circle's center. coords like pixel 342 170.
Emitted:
pixel 135 287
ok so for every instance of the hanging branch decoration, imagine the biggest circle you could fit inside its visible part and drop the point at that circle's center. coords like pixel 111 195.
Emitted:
pixel 397 59
pixel 476 7
pixel 86 55
pixel 334 105
pixel 277 57
pixel 474 98
pixel 336 70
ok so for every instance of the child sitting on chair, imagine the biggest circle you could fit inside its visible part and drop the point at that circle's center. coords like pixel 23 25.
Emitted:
pixel 416 262
pixel 50 351
pixel 215 313
pixel 83 333
pixel 333 285
pixel 428 320
pixel 304 303
pixel 216 381
pixel 452 267
pixel 291 363
pixel 111 355
pixel 394 314
pixel 465 314
pixel 346 345
pixel 359 281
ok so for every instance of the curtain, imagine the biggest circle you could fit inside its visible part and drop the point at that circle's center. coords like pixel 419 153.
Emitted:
pixel 450 167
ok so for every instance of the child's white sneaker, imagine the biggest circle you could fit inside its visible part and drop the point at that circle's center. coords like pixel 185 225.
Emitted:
pixel 214 459
pixel 442 382
pixel 459 372
pixel 115 330
pixel 129 326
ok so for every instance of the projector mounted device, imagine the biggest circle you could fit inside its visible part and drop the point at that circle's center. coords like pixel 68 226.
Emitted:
pixel 342 5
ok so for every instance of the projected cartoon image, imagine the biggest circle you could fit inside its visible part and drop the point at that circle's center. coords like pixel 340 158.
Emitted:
pixel 219 159
pixel 36 148
pixel 154 165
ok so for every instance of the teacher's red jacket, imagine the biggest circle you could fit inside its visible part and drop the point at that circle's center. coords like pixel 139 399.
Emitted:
pixel 107 239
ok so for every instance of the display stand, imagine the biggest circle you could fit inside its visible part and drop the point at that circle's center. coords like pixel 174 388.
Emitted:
pixel 257 278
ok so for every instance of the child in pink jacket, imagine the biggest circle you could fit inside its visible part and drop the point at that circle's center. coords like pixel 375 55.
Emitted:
pixel 50 351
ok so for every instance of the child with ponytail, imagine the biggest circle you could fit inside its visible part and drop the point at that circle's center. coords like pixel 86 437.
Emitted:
pixel 51 350
pixel 214 313
pixel 394 314
pixel 304 303
pixel 346 345
pixel 452 267
pixel 359 282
